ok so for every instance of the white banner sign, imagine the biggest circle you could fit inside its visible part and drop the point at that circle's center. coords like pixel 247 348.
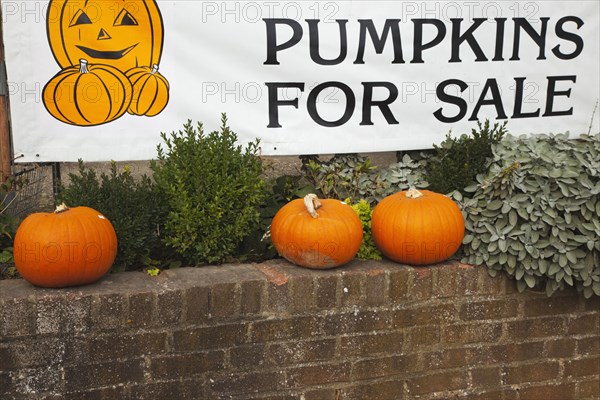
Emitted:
pixel 100 79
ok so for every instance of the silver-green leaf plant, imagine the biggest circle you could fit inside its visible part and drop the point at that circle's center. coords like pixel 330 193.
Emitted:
pixel 535 214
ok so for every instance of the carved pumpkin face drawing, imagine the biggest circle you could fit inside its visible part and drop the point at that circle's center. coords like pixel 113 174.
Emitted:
pixel 121 33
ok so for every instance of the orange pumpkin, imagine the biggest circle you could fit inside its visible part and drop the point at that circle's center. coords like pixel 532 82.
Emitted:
pixel 324 239
pixel 69 247
pixel 87 95
pixel 150 91
pixel 123 34
pixel 417 227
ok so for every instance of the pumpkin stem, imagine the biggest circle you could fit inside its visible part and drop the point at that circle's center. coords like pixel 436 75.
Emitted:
pixel 61 208
pixel 83 66
pixel 154 69
pixel 312 203
pixel 413 193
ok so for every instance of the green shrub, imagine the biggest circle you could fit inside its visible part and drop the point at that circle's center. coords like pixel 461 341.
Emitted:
pixel 213 190
pixel 343 176
pixel 535 215
pixel 257 246
pixel 8 223
pixel 354 177
pixel 131 205
pixel 456 163
pixel 368 250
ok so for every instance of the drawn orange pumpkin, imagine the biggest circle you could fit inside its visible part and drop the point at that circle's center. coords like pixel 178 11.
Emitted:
pixel 150 91
pixel 123 34
pixel 87 95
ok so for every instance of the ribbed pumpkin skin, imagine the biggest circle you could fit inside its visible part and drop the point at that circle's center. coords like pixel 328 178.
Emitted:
pixel 74 247
pixel 331 240
pixel 150 91
pixel 99 95
pixel 420 231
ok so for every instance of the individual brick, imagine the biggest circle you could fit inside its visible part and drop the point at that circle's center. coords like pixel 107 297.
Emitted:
pixel 352 285
pixel 486 378
pixel 17 318
pixel 420 336
pixel 92 376
pixel 303 351
pixel 448 358
pixel 440 314
pixel 313 394
pixel 560 348
pixel 589 389
pixel 588 346
pixel 209 337
pixel 592 304
pixel 142 310
pixel 489 309
pixel 386 390
pixel 551 306
pixel 445 280
pixel 372 344
pixel 535 328
pixel 109 312
pixel 188 389
pixel 297 328
pixel 583 367
pixel 492 394
pixel 123 347
pixel 278 300
pixel 248 356
pixel 509 352
pixel 252 293
pixel 489 285
pixel 224 300
pixel 525 373
pixel 375 287
pixel 221 386
pixel 7 359
pixel 437 382
pixel 301 294
pixel 472 333
pixel 467 280
pixel 185 365
pixel 399 283
pixel 583 324
pixel 105 393
pixel 357 321
pixel 170 306
pixel 320 374
pixel 563 391
pixel 326 292
pixel 420 285
pixel 385 366
pixel 196 304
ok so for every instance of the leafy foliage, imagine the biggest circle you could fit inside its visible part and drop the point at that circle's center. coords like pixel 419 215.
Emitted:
pixel 131 205
pixel 8 223
pixel 257 246
pixel 457 161
pixel 354 177
pixel 536 213
pixel 213 191
pixel 368 250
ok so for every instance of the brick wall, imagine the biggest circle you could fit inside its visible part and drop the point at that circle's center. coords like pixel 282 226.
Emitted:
pixel 368 331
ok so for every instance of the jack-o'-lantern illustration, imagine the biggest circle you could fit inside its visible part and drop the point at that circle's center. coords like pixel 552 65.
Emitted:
pixel 125 35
